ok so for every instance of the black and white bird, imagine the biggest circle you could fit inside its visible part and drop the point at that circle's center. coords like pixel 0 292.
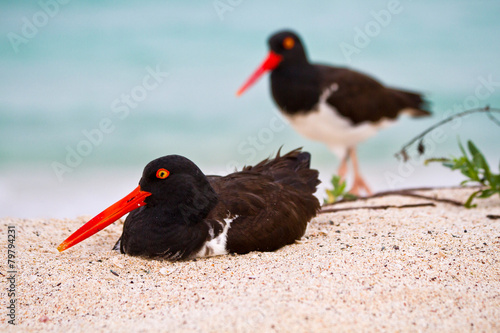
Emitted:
pixel 178 213
pixel 337 106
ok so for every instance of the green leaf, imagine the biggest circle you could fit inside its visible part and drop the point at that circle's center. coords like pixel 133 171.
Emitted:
pixel 495 181
pixel 468 203
pixel 487 193
pixel 449 165
pixel 464 182
pixel 472 148
pixel 468 168
pixel 338 192
pixel 441 160
pixel 476 170
pixel 478 158
pixel 461 148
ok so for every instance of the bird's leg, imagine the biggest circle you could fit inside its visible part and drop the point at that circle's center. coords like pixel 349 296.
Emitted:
pixel 342 171
pixel 359 184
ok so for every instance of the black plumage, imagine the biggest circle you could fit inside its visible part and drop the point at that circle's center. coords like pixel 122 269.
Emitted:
pixel 267 206
pixel 297 85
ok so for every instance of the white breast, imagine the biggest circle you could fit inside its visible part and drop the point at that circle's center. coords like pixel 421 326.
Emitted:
pixel 216 246
pixel 326 125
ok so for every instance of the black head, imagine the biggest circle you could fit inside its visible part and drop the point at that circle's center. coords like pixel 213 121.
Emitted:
pixel 286 50
pixel 177 185
pixel 287 44
pixel 172 189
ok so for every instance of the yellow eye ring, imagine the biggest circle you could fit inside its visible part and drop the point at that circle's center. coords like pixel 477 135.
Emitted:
pixel 288 43
pixel 162 173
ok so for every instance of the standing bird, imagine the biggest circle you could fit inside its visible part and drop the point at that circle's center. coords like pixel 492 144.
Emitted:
pixel 337 106
pixel 179 213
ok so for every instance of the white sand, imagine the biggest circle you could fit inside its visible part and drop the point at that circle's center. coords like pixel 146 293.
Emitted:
pixel 416 269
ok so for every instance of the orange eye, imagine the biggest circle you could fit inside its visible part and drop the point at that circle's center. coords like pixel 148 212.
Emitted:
pixel 288 43
pixel 162 173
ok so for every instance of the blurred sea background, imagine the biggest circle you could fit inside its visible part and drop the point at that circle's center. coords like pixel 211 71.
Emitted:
pixel 67 68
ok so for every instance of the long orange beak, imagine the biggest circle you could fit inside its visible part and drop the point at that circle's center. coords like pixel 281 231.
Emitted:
pixel 271 62
pixel 132 201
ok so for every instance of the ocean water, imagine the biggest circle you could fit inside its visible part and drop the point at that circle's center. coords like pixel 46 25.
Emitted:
pixel 90 91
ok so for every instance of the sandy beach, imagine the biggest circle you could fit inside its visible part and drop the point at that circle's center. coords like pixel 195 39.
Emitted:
pixel 412 269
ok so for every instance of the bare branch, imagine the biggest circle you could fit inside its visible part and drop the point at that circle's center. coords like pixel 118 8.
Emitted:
pixel 334 210
pixel 404 154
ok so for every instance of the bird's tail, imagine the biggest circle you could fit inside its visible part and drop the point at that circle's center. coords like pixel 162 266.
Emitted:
pixel 413 103
pixel 292 169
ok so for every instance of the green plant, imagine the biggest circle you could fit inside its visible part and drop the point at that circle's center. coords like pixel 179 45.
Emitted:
pixel 476 169
pixel 338 192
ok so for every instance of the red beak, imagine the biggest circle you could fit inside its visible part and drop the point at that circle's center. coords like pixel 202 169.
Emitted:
pixel 132 201
pixel 272 61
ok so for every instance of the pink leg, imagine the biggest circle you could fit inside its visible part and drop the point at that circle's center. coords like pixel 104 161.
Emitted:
pixel 342 171
pixel 359 184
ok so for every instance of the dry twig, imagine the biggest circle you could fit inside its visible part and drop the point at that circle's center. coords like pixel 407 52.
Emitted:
pixel 334 210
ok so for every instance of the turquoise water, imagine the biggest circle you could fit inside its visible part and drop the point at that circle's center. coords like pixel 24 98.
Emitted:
pixel 72 142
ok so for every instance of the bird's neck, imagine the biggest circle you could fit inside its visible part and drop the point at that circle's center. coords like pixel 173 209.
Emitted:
pixel 193 208
pixel 295 71
pixel 295 88
pixel 294 62
pixel 194 211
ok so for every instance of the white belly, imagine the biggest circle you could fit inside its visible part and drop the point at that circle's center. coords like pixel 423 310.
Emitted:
pixel 337 132
pixel 216 245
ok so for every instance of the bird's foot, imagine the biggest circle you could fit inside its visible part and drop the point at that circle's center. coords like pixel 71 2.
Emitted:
pixel 359 187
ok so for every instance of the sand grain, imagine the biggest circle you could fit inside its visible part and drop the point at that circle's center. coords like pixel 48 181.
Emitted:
pixel 429 268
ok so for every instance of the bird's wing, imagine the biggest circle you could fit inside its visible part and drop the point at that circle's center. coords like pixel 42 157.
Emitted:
pixel 240 193
pixel 265 215
pixel 360 97
pixel 269 205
